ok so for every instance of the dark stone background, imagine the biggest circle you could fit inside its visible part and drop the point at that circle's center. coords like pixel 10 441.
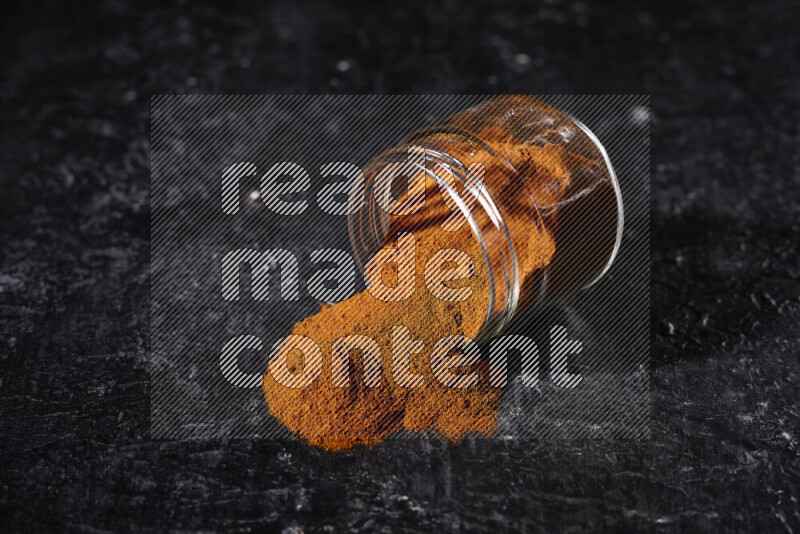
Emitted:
pixel 74 228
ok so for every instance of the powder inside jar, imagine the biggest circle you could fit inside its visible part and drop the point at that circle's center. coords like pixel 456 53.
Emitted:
pixel 339 416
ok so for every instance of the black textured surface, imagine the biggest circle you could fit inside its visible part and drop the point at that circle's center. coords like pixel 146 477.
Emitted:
pixel 725 266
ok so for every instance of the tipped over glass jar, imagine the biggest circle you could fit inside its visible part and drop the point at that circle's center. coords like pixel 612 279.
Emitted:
pixel 512 166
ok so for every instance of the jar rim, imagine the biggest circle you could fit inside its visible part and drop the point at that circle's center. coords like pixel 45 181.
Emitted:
pixel 493 322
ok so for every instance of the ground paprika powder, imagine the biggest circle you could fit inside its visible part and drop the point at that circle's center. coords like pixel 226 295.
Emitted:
pixel 359 405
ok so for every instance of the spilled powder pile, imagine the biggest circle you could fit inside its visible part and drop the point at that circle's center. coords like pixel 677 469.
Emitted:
pixel 339 416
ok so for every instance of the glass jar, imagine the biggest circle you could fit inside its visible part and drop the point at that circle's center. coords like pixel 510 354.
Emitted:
pixel 541 168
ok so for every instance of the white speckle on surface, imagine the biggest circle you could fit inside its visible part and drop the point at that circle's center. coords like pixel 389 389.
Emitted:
pixel 69 178
pixel 344 65
pixel 8 282
pixel 640 115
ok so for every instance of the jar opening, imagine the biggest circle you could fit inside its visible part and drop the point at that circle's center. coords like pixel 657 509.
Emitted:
pixel 370 227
